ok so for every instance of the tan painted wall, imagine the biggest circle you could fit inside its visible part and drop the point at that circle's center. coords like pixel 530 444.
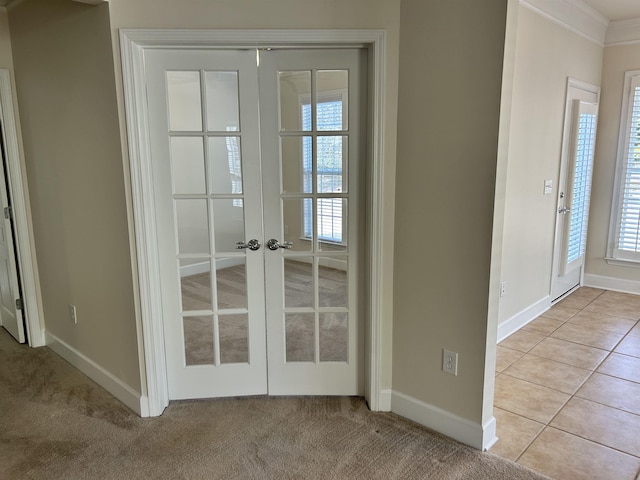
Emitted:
pixel 65 83
pixel 546 54
pixel 617 60
pixel 248 14
pixel 5 42
pixel 451 59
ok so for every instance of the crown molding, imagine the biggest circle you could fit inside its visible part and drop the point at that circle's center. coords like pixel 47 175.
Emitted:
pixel 574 15
pixel 623 32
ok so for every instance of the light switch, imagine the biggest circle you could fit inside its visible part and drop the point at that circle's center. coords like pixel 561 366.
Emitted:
pixel 548 187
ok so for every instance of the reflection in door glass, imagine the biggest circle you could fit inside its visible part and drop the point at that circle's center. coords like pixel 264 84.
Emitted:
pixel 198 340
pixel 228 220
pixel 334 337
pixel 331 97
pixel 183 92
pixel 234 338
pixel 332 282
pixel 195 284
pixel 222 101
pixel 193 226
pixel 225 169
pixel 187 165
pixel 231 282
pixel 298 282
pixel 295 87
pixel 300 337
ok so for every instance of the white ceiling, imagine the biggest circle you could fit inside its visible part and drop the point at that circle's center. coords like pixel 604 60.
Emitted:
pixel 616 9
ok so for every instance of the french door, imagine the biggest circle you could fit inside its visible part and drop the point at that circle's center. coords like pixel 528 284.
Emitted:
pixel 255 173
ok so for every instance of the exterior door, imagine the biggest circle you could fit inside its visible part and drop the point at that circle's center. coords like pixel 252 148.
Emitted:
pixel 11 318
pixel 574 191
pixel 225 217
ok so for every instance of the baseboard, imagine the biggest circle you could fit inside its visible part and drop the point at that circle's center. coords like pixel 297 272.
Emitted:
pixel 102 377
pixel 205 267
pixel 384 399
pixel 470 433
pixel 612 283
pixel 520 319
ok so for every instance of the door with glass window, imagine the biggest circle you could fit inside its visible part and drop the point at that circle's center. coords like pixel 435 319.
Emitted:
pixel 574 191
pixel 255 172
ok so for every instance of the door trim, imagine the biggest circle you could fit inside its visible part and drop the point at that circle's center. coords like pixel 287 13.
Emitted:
pixel 19 193
pixel 133 43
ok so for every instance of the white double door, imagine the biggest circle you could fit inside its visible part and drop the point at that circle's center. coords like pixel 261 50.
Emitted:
pixel 252 149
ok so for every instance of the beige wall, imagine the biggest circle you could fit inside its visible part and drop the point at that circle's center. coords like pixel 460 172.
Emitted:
pixel 307 14
pixel 546 54
pixel 617 60
pixel 5 42
pixel 66 91
pixel 451 58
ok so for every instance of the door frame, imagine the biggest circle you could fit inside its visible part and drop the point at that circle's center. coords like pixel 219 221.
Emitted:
pixel 133 43
pixel 575 88
pixel 19 194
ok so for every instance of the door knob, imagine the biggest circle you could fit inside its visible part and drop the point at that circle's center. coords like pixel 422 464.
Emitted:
pixel 274 244
pixel 252 244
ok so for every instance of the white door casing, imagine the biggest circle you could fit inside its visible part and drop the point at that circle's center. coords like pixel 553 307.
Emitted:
pixel 134 43
pixel 581 104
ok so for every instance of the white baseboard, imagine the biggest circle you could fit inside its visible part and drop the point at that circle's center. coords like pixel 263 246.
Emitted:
pixel 520 319
pixel 612 283
pixel 384 400
pixel 478 436
pixel 204 267
pixel 98 374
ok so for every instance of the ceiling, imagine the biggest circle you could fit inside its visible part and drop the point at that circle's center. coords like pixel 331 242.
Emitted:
pixel 616 9
pixel 611 9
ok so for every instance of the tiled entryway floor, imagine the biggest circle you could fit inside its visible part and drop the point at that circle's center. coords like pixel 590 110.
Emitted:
pixel 567 397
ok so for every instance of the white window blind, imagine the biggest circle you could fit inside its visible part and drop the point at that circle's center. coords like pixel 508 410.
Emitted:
pixel 627 208
pixel 328 172
pixel 585 143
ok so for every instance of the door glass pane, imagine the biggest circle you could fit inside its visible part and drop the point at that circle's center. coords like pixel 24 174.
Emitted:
pixel 334 337
pixel 297 165
pixel 332 223
pixel 300 337
pixel 228 218
pixel 295 94
pixel 234 338
pixel 225 171
pixel 331 165
pixel 297 216
pixel 298 282
pixel 231 282
pixel 222 101
pixel 195 284
pixel 193 226
pixel 198 340
pixel 183 92
pixel 187 165
pixel 332 282
pixel 331 97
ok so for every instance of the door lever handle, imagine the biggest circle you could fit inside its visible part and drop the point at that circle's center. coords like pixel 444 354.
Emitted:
pixel 274 244
pixel 252 244
pixel 564 210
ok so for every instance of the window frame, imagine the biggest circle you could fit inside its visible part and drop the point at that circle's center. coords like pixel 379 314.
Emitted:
pixel 614 255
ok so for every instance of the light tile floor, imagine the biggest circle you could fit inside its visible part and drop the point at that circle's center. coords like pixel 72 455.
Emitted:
pixel 567 396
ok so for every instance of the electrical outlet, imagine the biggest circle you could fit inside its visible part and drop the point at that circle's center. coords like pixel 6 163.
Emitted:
pixel 503 288
pixel 450 362
pixel 73 315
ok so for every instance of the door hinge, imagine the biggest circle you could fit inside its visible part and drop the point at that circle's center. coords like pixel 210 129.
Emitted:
pixel 8 213
pixel 19 304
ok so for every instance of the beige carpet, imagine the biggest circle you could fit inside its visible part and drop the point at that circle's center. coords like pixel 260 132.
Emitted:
pixel 57 424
